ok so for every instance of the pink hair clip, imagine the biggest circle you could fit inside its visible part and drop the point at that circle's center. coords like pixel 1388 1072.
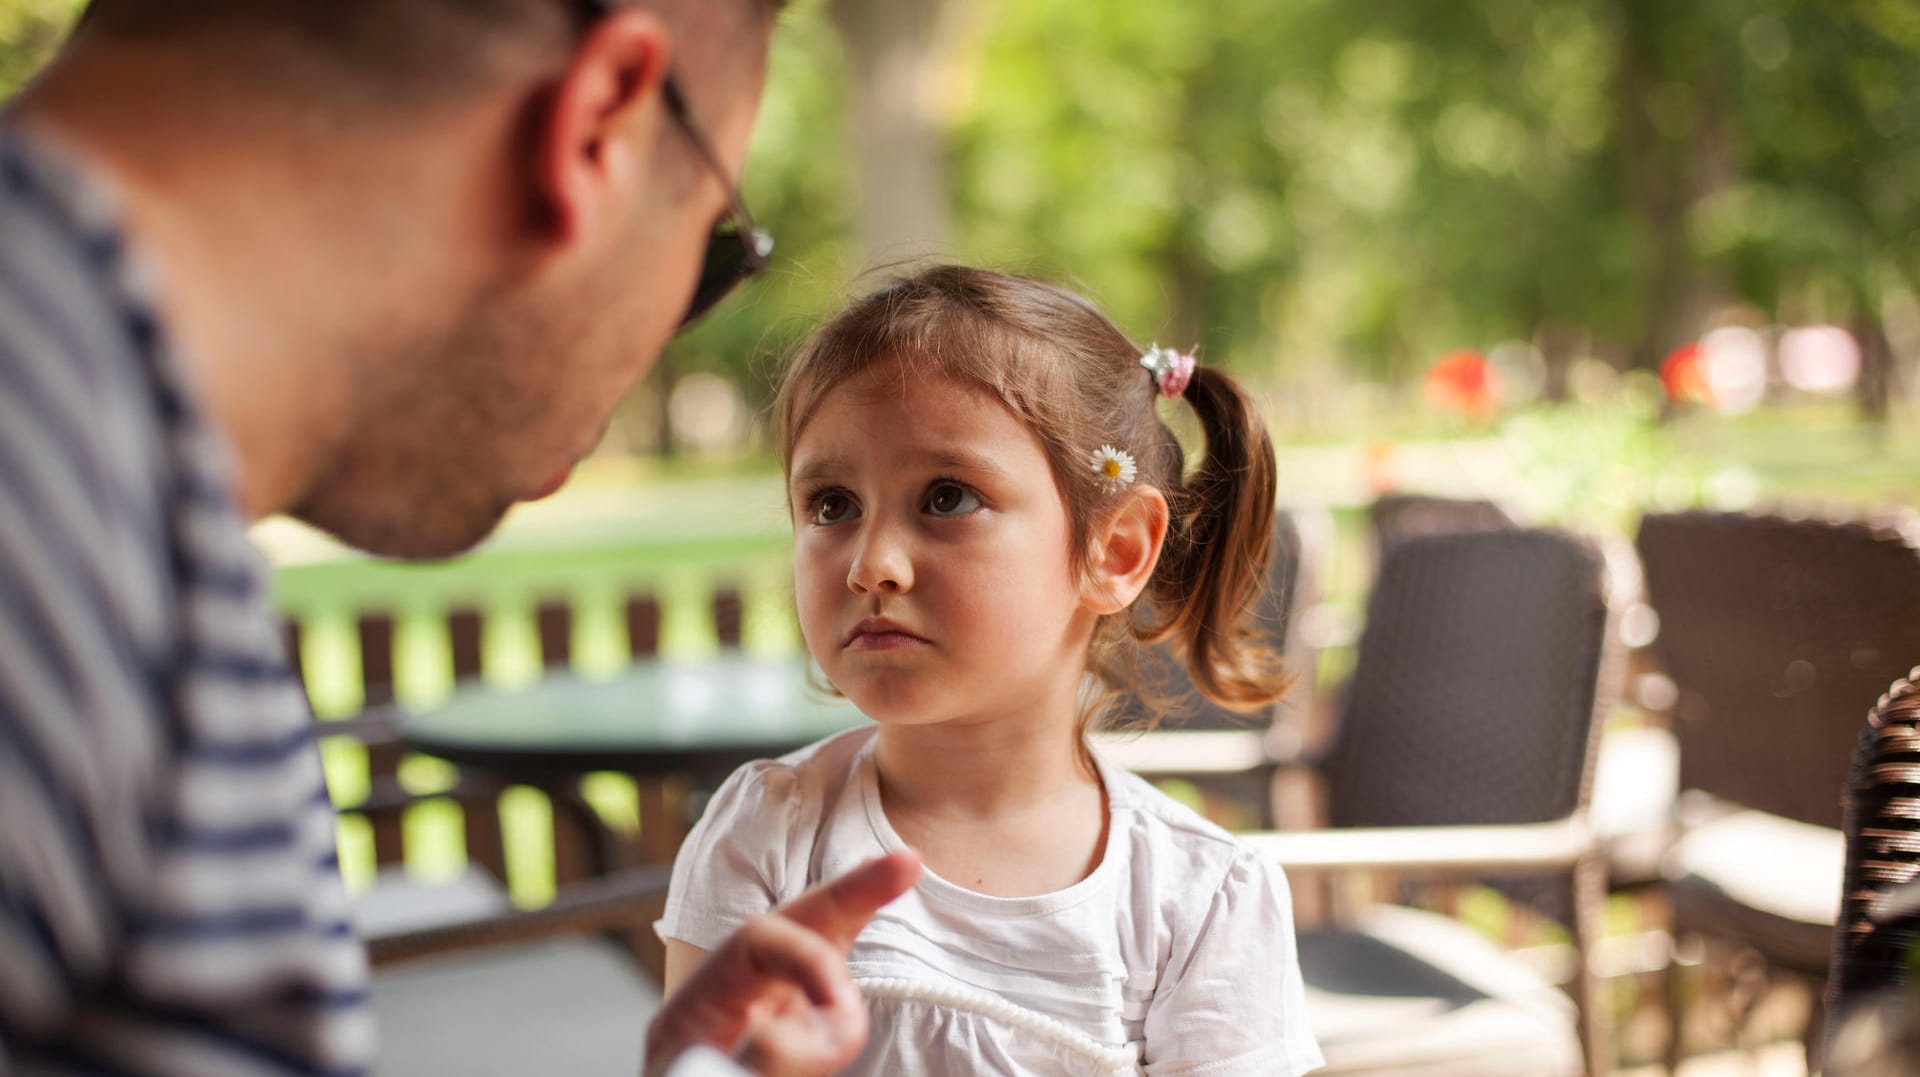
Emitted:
pixel 1171 370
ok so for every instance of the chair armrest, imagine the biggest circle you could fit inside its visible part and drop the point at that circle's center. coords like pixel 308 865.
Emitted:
pixel 1199 751
pixel 387 796
pixel 1479 851
pixel 624 901
pixel 1171 751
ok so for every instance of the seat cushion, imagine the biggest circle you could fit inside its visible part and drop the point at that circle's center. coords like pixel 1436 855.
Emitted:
pixel 574 1006
pixel 397 902
pixel 1763 881
pixel 1403 993
pixel 1635 784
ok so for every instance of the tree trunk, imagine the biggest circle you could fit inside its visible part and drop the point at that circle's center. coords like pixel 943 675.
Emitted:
pixel 1665 177
pixel 1874 390
pixel 890 46
pixel 1558 346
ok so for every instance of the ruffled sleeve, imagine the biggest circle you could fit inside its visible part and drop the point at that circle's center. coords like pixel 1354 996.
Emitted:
pixel 1230 1000
pixel 734 864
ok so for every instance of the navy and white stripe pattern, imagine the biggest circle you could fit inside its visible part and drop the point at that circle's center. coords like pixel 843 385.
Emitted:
pixel 169 898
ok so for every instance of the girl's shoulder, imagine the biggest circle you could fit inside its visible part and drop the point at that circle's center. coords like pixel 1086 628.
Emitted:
pixel 824 764
pixel 783 792
pixel 1170 837
pixel 834 755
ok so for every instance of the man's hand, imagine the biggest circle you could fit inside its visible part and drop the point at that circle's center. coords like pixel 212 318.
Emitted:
pixel 778 992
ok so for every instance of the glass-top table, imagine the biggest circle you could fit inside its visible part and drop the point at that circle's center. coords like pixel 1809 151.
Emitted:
pixel 657 718
pixel 674 726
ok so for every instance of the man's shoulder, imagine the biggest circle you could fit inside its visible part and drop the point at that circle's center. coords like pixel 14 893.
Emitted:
pixel 77 332
pixel 60 220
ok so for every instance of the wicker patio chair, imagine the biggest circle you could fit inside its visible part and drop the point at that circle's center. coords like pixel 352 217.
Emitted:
pixel 1201 741
pixel 1395 518
pixel 1464 749
pixel 1778 633
pixel 1632 802
pixel 465 982
pixel 1879 917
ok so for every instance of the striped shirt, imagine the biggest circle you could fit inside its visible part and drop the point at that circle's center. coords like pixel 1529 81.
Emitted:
pixel 170 902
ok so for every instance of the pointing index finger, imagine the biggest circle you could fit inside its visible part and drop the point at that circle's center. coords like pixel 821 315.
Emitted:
pixel 838 910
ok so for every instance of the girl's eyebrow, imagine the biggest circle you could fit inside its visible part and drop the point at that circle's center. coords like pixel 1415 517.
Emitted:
pixel 933 460
pixel 813 471
pixel 961 460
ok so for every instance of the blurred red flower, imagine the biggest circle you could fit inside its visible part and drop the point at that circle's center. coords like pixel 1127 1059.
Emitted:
pixel 1462 381
pixel 1683 373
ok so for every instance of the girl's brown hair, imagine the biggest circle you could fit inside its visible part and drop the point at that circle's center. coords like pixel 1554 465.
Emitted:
pixel 1062 366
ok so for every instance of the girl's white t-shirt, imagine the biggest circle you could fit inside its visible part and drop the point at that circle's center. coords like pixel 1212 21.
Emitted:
pixel 1175 956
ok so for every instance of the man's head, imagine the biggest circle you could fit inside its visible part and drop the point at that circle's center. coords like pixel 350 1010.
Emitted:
pixel 551 247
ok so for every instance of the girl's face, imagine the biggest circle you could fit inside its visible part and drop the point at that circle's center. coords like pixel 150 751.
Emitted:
pixel 931 553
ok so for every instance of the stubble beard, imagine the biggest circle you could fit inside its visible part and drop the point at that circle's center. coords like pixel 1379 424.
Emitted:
pixel 425 472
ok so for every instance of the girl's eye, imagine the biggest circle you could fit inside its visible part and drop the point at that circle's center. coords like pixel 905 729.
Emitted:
pixel 951 499
pixel 831 507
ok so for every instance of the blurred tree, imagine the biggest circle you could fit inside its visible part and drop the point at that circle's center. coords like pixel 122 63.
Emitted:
pixel 1319 189
pixel 801 183
pixel 1369 186
pixel 29 32
pixel 1316 183
pixel 893 54
pixel 1821 222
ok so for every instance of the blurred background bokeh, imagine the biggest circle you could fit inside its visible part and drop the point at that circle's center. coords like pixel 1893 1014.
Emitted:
pixel 1403 221
pixel 1585 258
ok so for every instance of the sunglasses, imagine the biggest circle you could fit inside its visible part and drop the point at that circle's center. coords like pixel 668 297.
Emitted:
pixel 737 248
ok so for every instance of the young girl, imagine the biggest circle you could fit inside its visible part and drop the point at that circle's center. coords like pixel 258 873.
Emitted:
pixel 981 493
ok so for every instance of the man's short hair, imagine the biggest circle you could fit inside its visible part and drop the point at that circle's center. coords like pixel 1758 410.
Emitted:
pixel 413 51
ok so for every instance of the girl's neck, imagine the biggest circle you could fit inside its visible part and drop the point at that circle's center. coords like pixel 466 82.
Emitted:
pixel 1007 808
pixel 979 771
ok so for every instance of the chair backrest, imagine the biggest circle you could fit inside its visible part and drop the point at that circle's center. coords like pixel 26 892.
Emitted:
pixel 1396 518
pixel 1778 633
pixel 1272 619
pixel 1486 659
pixel 1882 824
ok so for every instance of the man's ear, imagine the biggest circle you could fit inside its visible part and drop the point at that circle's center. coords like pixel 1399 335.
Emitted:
pixel 600 119
pixel 1126 547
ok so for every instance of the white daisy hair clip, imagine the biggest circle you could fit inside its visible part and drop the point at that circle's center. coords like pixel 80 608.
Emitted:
pixel 1171 369
pixel 1115 468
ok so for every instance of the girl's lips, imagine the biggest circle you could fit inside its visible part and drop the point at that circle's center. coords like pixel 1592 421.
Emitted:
pixel 881 634
pixel 884 641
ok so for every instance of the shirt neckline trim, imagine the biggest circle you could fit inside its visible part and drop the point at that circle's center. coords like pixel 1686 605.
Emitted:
pixel 1099 880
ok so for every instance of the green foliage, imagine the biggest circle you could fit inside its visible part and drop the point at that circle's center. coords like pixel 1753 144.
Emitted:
pixel 29 31
pixel 1368 185
pixel 799 183
pixel 1596 468
pixel 1319 189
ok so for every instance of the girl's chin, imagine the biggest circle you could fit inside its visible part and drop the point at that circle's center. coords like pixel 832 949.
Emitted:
pixel 892 712
pixel 892 706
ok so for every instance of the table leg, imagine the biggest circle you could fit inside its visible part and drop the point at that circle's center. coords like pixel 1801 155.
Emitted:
pixel 576 852
pixel 662 818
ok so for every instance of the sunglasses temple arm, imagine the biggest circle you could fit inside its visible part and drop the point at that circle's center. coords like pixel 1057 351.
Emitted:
pixel 676 103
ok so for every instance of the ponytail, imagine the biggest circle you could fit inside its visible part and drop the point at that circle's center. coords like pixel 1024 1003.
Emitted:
pixel 1218 547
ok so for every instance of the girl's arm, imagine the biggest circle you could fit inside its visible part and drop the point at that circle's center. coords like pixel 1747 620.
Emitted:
pixel 682 959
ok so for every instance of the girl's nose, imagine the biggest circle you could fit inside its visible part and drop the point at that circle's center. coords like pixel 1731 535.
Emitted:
pixel 881 564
